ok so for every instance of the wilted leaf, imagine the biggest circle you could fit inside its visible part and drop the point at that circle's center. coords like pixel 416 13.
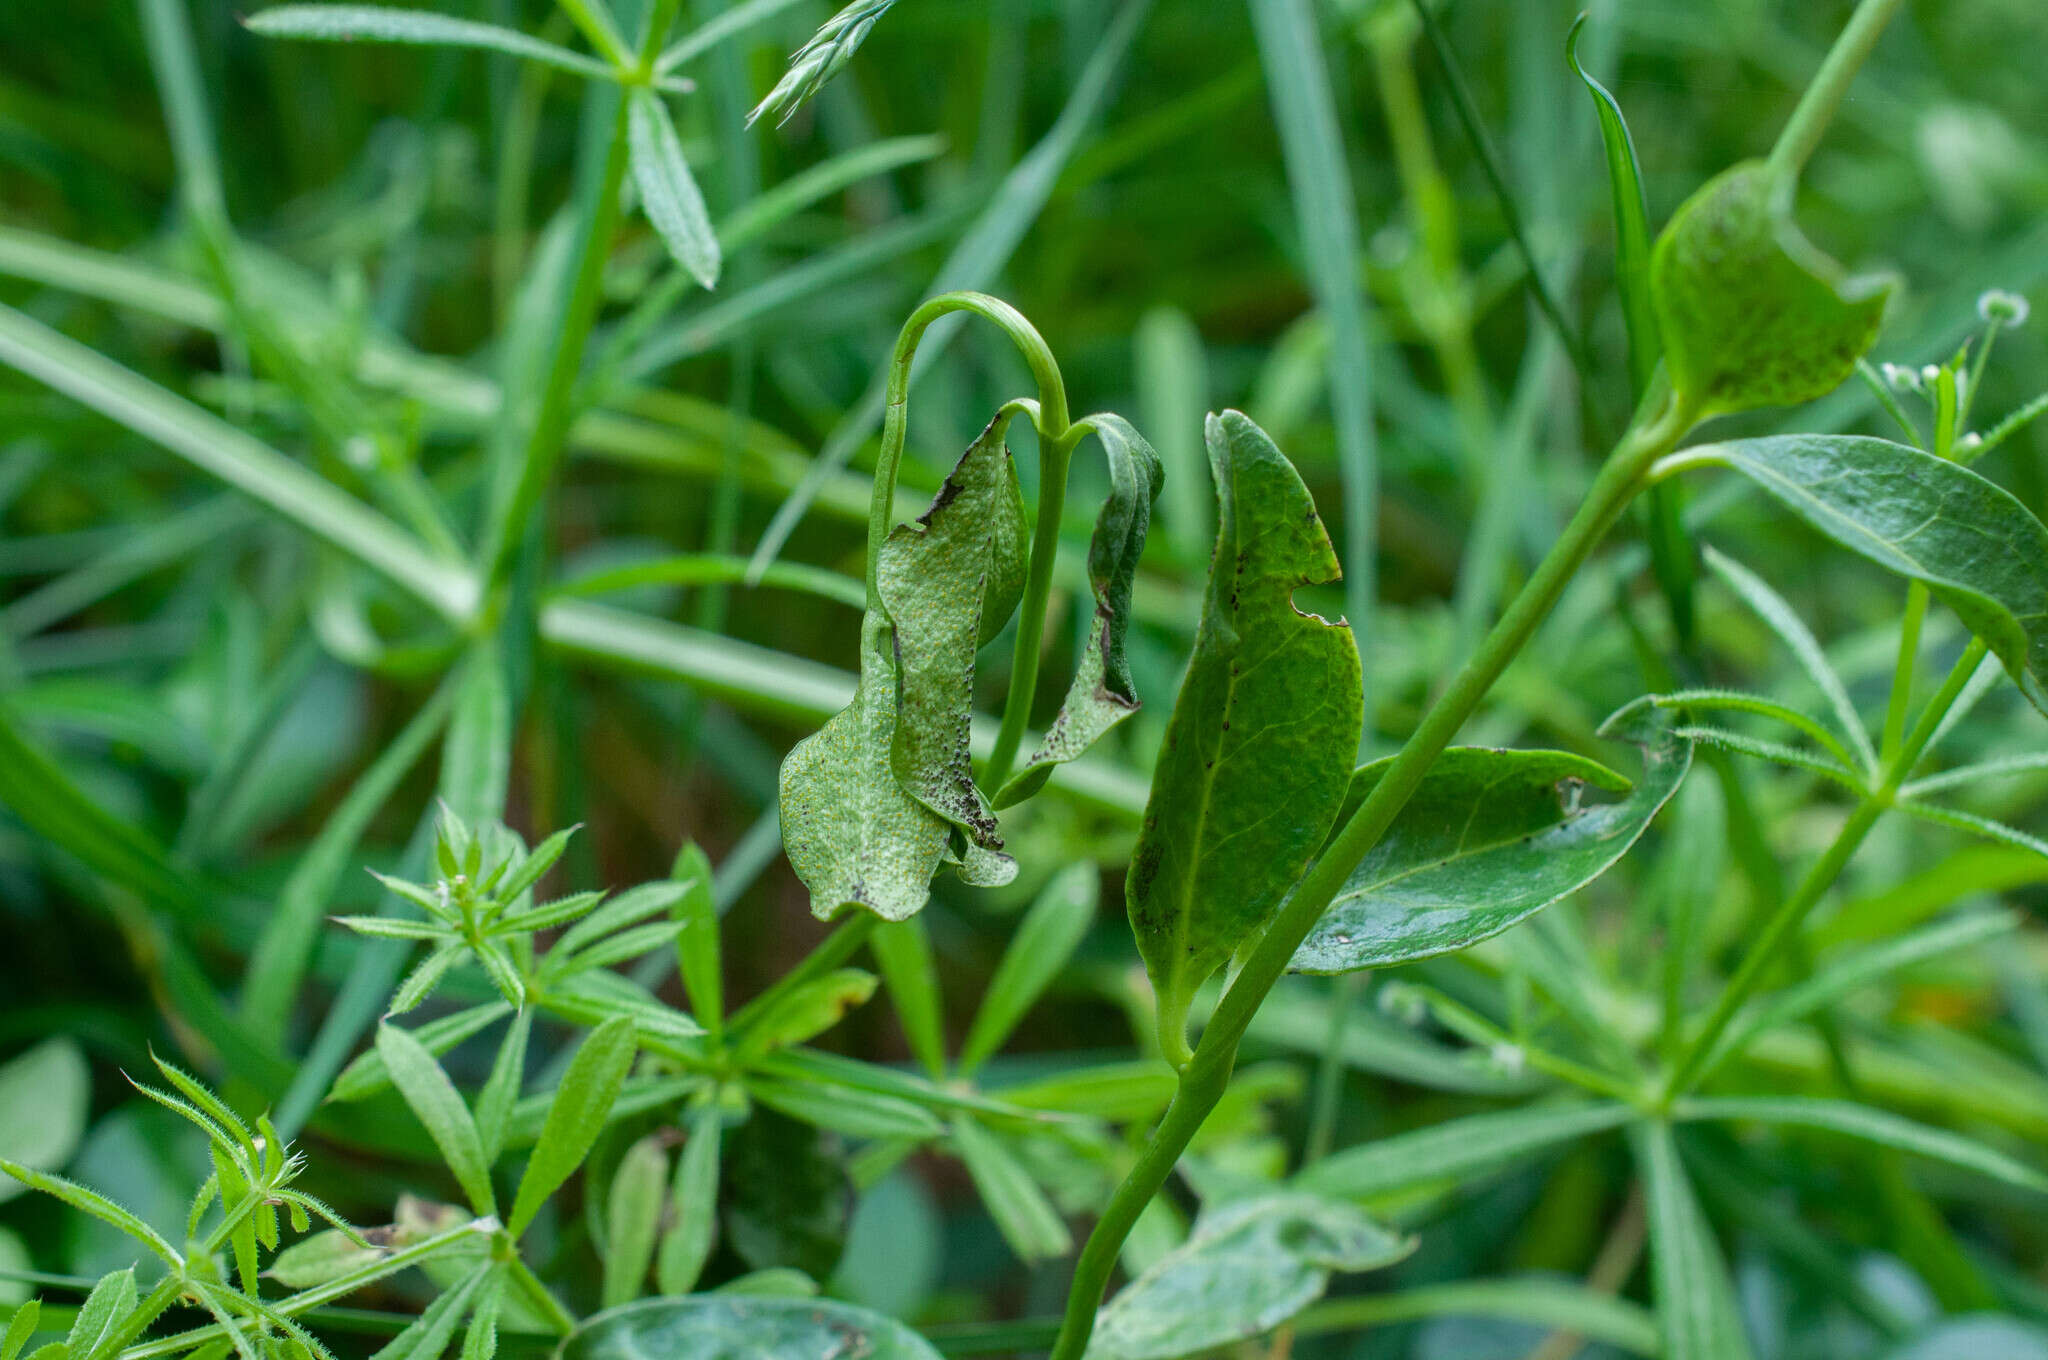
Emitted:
pixel 950 582
pixel 1749 312
pixel 1977 548
pixel 1258 750
pixel 1247 1267
pixel 743 1327
pixel 871 800
pixel 1102 694
pixel 315 1260
pixel 1490 838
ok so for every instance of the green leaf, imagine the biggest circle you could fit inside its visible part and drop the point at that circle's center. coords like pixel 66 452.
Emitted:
pixel 743 1327
pixel 495 1103
pixel 1103 693
pixel 805 1012
pixel 439 1107
pixel 367 1075
pixel 788 1197
pixel 1023 1215
pixel 97 1205
pixel 1454 1151
pixel 100 1317
pixel 842 1109
pixel 904 951
pixel 377 23
pixel 668 193
pixel 1490 838
pixel 480 1338
pixel 1975 546
pixel 320 1258
pixel 949 582
pixel 1046 938
pixel 1750 313
pixel 1247 1267
pixel 632 1217
pixel 45 1095
pixel 1259 746
pixel 1975 1338
pixel 1631 225
pixel 1696 1311
pixel 692 1206
pixel 1875 1126
pixel 20 1328
pixel 697 947
pixel 428 1335
pixel 581 1105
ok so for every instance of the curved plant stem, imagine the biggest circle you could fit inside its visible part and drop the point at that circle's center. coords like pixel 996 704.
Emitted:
pixel 1203 1080
pixel 1057 436
pixel 1824 94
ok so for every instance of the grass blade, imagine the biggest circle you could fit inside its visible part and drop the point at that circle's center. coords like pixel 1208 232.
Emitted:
pixel 380 23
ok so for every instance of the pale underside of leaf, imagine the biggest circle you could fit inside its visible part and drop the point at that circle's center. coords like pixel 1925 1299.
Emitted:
pixel 743 1327
pixel 1490 838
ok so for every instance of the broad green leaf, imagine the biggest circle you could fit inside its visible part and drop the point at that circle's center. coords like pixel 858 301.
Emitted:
pixel 1247 1267
pixel 1046 938
pixel 668 193
pixel 743 1327
pixel 100 1317
pixel 697 948
pixel 632 1218
pixel 1696 1310
pixel 904 951
pixel 1490 838
pixel 1876 1126
pixel 1027 1220
pixel 1103 693
pixel 949 582
pixel 378 23
pixel 1975 546
pixel 1454 1151
pixel 439 1107
pixel 1631 225
pixel 859 1114
pixel 1259 746
pixel 1750 313
pixel 45 1095
pixel 692 1206
pixel 581 1105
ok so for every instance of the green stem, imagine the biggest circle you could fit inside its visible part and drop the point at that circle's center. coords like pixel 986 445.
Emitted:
pixel 1902 672
pixel 1792 912
pixel 834 950
pixel 1057 436
pixel 1206 1075
pixel 533 1291
pixel 1329 1087
pixel 1830 84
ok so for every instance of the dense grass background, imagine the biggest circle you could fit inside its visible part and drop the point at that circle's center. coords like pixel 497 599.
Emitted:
pixel 217 680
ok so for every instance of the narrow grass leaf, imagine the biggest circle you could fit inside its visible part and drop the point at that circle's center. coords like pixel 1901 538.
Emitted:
pixel 97 1205
pixel 904 951
pixel 855 1113
pixel 378 23
pixel 582 1103
pixel 1024 1216
pixel 1631 225
pixel 439 1108
pixel 1454 1151
pixel 1696 1310
pixel 692 1204
pixel 1039 951
pixel 698 956
pixel 668 193
pixel 632 1218
pixel 1871 1125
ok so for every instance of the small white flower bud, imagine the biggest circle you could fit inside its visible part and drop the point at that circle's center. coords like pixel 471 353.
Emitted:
pixel 2002 308
pixel 1900 378
pixel 1508 1057
pixel 1930 374
pixel 1969 441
